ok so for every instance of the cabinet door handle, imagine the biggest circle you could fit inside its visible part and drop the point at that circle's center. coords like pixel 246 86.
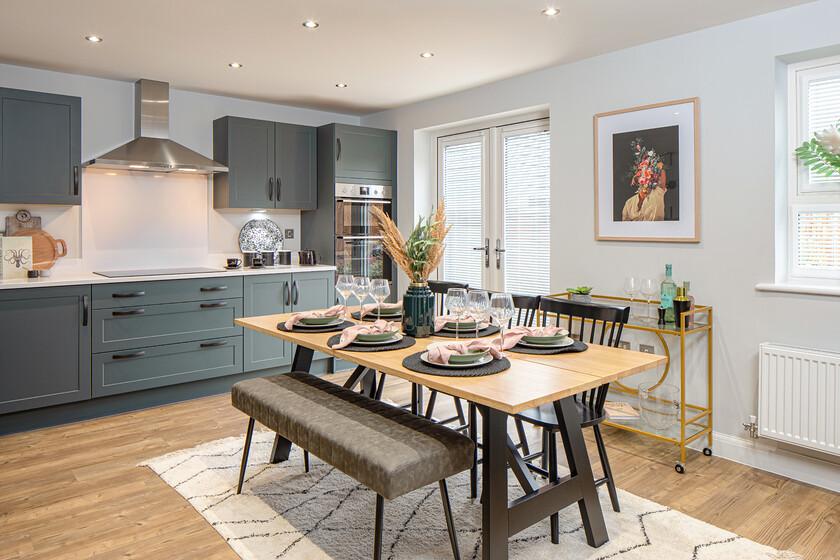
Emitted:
pixel 213 305
pixel 338 149
pixel 128 294
pixel 85 310
pixel 214 288
pixel 215 344
pixel 128 313
pixel 278 183
pixel 286 294
pixel 128 356
pixel 75 180
pixel 271 188
pixel 295 292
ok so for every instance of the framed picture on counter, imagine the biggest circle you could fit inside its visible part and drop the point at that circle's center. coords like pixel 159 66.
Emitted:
pixel 647 173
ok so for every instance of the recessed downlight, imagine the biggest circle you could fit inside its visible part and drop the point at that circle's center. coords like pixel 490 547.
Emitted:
pixel 311 24
pixel 93 38
pixel 341 85
pixel 427 54
pixel 235 65
pixel 550 12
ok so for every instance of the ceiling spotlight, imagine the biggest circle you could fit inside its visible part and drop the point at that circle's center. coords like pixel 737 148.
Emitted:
pixel 311 24
pixel 341 85
pixel 550 12
pixel 427 54
pixel 235 65
pixel 93 38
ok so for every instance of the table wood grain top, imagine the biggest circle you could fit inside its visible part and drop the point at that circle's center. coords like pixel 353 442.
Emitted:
pixel 532 380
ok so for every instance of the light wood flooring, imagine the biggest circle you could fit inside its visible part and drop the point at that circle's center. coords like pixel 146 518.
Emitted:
pixel 75 491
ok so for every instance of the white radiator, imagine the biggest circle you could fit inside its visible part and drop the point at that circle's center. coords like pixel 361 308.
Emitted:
pixel 799 396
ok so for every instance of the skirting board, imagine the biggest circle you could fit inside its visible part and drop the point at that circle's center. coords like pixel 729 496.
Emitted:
pixel 767 455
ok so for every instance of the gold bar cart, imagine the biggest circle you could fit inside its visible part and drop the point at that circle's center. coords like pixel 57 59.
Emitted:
pixel 695 421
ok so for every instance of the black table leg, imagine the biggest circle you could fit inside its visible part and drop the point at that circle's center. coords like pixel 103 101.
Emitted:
pixel 494 506
pixel 303 359
pixel 354 378
pixel 280 450
pixel 369 383
pixel 590 508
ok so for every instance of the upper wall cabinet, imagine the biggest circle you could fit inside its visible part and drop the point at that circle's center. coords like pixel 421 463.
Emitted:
pixel 272 165
pixel 364 153
pixel 40 148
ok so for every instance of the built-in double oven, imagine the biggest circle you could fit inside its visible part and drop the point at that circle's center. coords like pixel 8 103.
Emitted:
pixel 358 237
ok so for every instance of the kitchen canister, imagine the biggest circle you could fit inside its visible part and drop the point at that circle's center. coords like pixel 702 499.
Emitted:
pixel 15 257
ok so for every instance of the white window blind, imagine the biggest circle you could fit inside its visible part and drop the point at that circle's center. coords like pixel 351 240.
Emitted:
pixel 818 240
pixel 462 193
pixel 527 224
pixel 823 107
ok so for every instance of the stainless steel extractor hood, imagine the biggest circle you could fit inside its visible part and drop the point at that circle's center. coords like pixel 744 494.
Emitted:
pixel 151 149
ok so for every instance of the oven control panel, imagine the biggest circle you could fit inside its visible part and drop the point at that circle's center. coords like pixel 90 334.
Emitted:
pixel 350 190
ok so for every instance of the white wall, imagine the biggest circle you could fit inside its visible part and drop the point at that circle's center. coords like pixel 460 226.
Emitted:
pixel 136 220
pixel 732 69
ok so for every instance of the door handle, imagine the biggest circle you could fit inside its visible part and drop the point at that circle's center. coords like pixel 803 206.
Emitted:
pixel 271 188
pixel 295 292
pixel 338 148
pixel 128 356
pixel 286 295
pixel 499 252
pixel 75 180
pixel 213 305
pixel 85 310
pixel 214 288
pixel 215 344
pixel 279 184
pixel 486 249
pixel 128 294
pixel 128 313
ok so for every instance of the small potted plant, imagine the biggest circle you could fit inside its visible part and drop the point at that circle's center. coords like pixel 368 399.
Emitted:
pixel 582 294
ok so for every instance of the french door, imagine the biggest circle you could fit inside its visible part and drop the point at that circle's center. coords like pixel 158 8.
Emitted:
pixel 495 184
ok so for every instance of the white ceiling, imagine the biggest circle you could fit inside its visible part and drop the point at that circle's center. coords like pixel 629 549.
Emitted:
pixel 373 45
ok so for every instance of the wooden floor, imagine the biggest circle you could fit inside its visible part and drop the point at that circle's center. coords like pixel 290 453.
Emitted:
pixel 75 491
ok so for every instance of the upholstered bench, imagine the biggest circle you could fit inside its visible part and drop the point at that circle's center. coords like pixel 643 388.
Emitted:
pixel 389 450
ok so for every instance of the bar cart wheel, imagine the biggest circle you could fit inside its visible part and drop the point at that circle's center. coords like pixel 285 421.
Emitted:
pixel 679 468
pixel 707 452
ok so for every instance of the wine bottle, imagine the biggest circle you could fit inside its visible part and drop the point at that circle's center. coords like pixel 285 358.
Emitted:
pixel 667 292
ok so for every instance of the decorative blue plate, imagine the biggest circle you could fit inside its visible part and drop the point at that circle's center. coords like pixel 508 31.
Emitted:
pixel 260 235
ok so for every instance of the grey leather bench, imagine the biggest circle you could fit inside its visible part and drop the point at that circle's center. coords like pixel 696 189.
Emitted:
pixel 389 450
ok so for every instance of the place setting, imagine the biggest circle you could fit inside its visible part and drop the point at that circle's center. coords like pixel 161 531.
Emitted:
pixel 379 336
pixel 541 341
pixel 459 358
pixel 468 315
pixel 327 320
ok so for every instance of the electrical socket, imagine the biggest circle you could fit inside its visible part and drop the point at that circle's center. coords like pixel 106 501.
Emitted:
pixel 646 348
pixel 624 345
pixel 288 233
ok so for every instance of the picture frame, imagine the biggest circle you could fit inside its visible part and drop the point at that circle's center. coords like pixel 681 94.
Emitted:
pixel 647 173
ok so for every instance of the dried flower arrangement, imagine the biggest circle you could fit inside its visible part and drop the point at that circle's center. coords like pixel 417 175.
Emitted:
pixel 421 253
pixel 821 154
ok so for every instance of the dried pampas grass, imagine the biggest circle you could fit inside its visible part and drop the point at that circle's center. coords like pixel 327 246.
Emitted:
pixel 421 253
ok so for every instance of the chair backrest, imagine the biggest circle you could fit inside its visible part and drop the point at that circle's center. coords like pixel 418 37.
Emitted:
pixel 439 288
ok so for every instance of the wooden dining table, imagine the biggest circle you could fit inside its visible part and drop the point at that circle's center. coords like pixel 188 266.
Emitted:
pixel 531 380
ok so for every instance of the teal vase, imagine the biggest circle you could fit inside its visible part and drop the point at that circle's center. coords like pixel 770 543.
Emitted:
pixel 418 310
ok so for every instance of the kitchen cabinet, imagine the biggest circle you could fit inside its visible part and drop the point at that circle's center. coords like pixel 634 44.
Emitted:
pixel 40 148
pixel 364 154
pixel 271 165
pixel 45 356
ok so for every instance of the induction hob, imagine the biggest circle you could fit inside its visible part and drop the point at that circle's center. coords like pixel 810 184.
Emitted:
pixel 157 272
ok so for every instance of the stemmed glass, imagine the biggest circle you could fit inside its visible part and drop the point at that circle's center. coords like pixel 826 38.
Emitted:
pixel 478 303
pixel 379 290
pixel 502 310
pixel 456 303
pixel 631 288
pixel 361 288
pixel 649 290
pixel 344 286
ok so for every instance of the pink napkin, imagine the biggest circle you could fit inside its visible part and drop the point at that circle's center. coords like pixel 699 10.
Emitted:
pixel 514 335
pixel 349 334
pixel 439 352
pixel 441 320
pixel 294 318
pixel 371 308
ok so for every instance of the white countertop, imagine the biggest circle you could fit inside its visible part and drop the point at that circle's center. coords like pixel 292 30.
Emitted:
pixel 82 278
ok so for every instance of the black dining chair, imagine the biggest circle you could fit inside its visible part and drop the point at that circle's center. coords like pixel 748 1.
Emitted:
pixel 605 324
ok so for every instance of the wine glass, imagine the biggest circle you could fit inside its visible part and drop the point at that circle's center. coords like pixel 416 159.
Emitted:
pixel 478 303
pixel 344 287
pixel 361 288
pixel 649 290
pixel 502 310
pixel 631 288
pixel 379 290
pixel 456 303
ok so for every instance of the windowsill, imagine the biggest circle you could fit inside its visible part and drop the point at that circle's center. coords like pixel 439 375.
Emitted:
pixel 807 289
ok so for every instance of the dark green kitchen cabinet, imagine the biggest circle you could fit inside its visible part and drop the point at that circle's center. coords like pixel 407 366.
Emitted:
pixel 363 153
pixel 40 148
pixel 45 356
pixel 270 165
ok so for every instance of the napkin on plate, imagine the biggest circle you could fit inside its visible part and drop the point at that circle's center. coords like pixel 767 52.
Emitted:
pixel 349 334
pixel 441 320
pixel 294 318
pixel 514 335
pixel 370 308
pixel 439 352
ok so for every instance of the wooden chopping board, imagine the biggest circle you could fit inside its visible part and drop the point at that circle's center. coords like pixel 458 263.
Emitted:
pixel 46 249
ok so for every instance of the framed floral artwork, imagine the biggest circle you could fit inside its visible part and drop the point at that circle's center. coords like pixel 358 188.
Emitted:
pixel 647 173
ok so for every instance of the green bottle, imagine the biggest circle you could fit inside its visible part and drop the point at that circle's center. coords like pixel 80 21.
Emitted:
pixel 667 292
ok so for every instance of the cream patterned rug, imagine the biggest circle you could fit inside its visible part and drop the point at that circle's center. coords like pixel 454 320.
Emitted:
pixel 286 513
